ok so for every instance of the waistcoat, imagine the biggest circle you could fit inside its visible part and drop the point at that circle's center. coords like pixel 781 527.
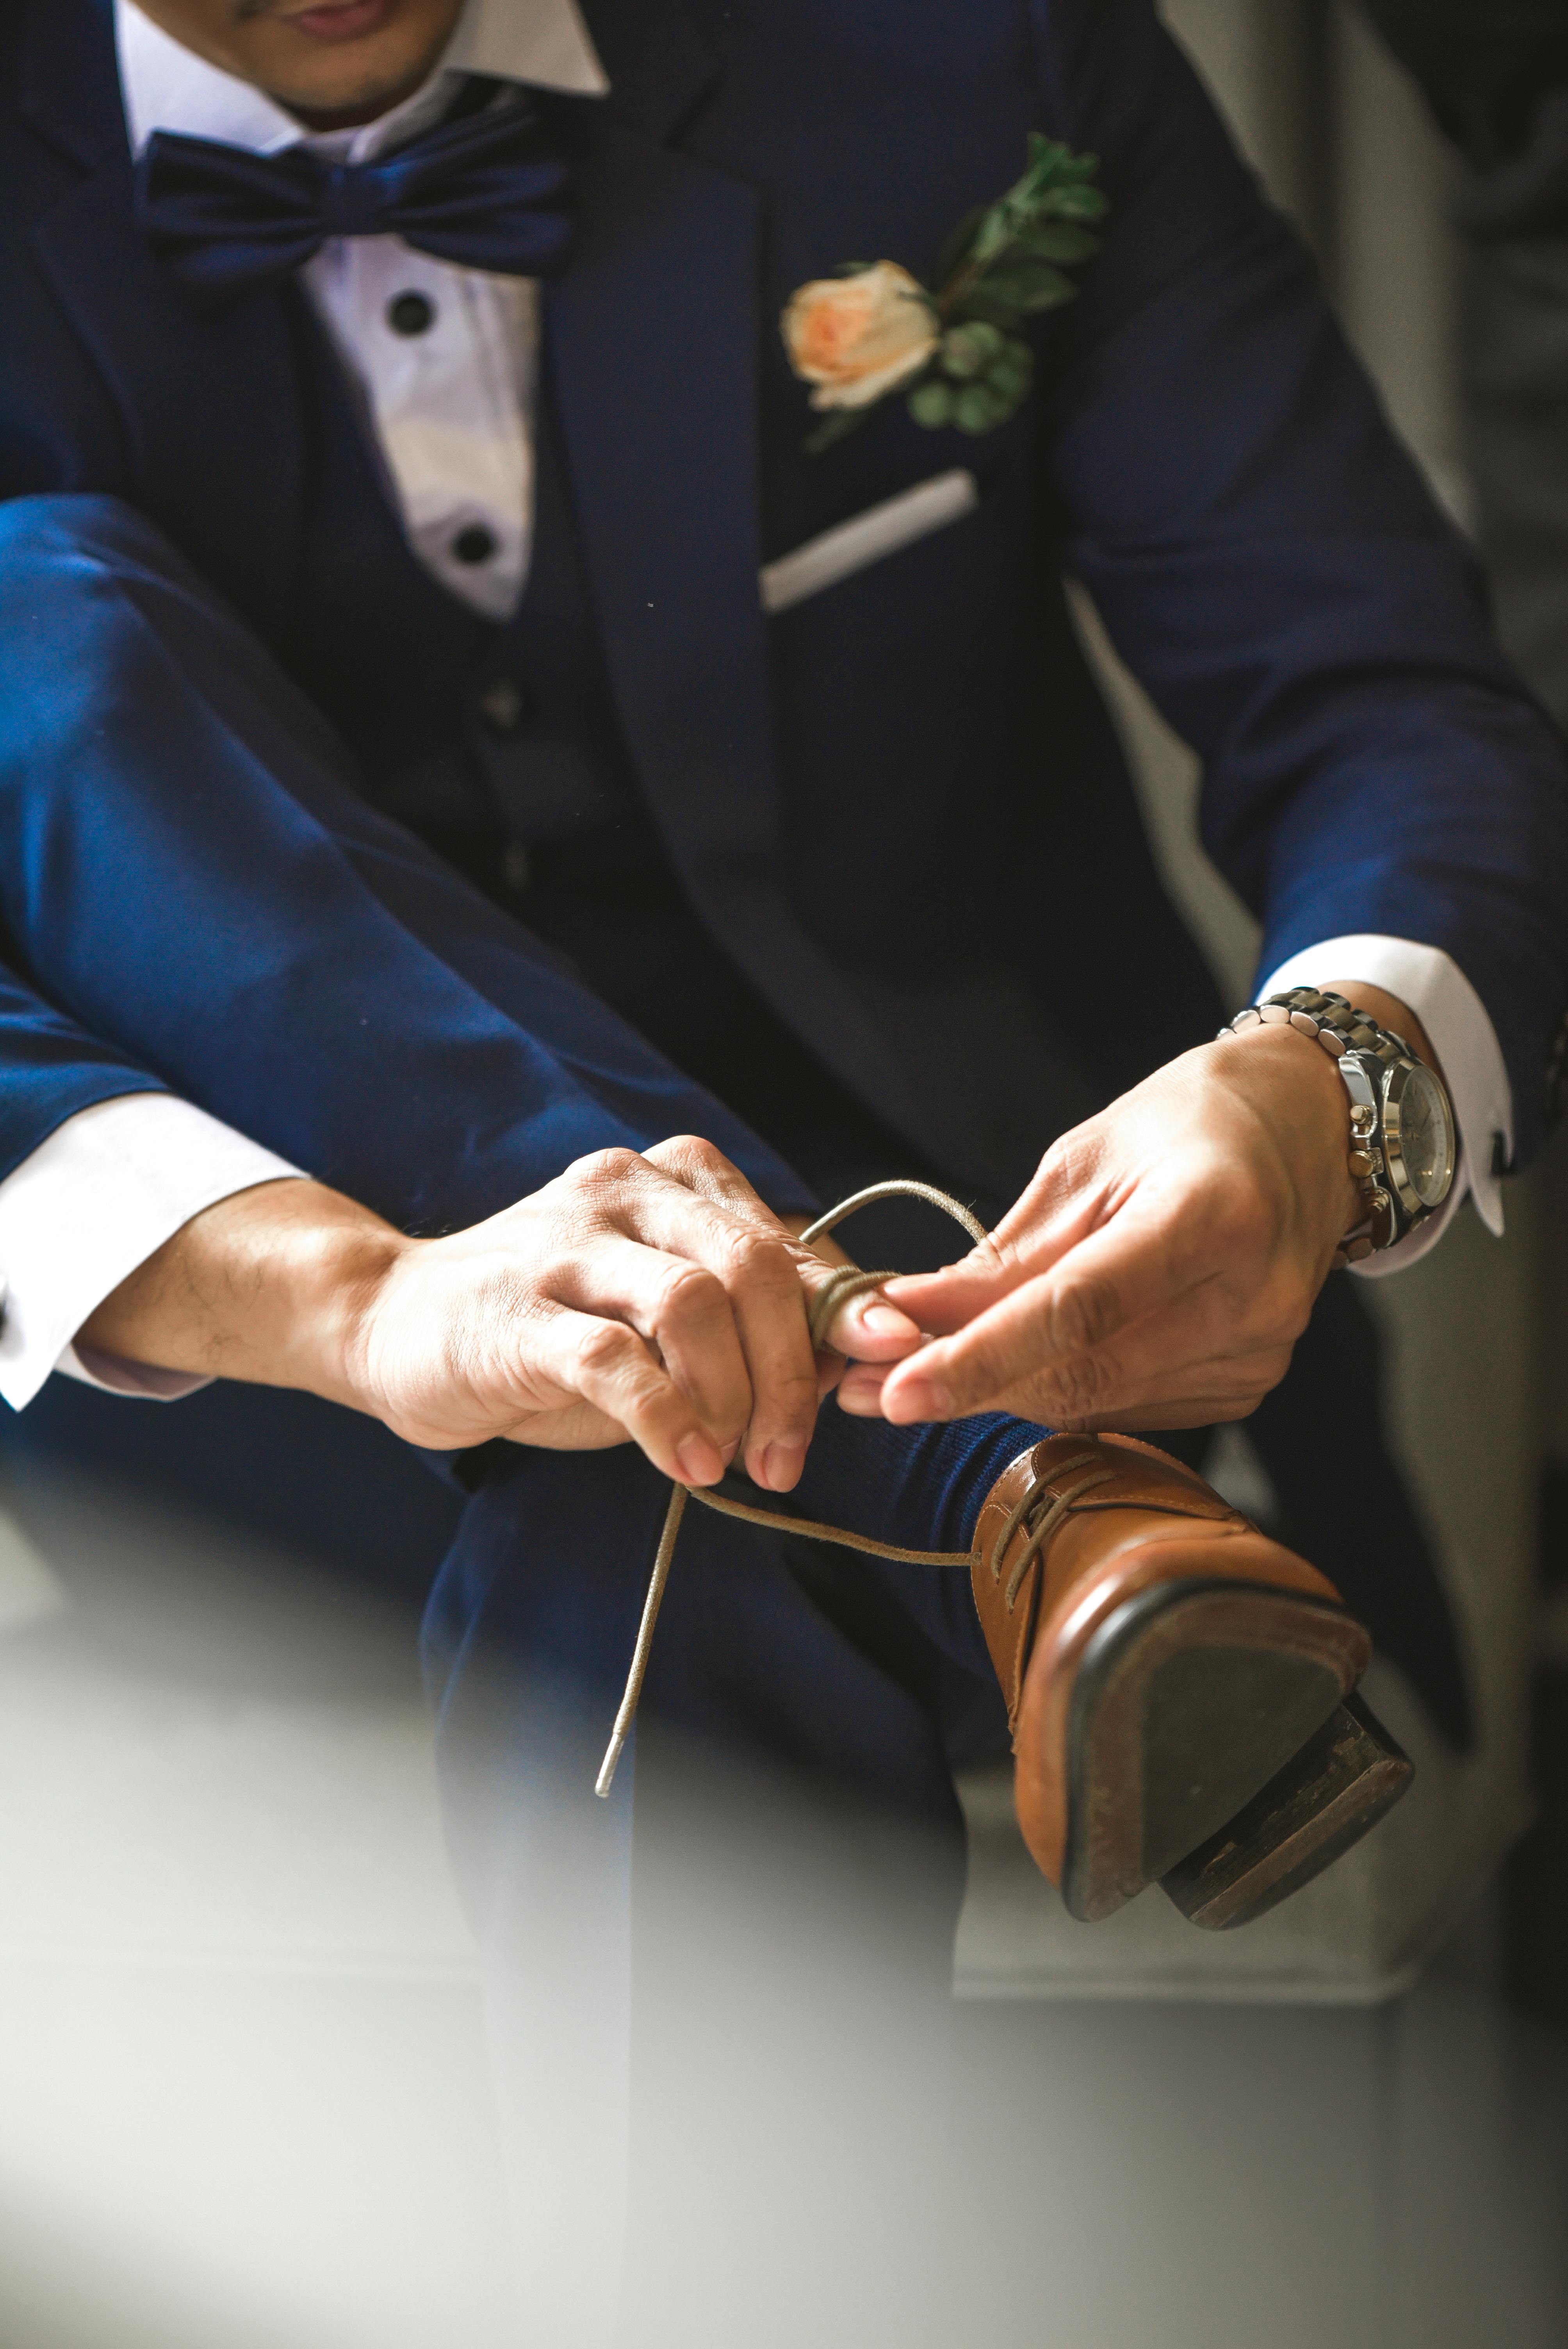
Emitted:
pixel 458 724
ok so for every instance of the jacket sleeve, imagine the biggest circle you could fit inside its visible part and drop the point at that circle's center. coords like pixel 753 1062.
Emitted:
pixel 193 883
pixel 49 1069
pixel 1273 569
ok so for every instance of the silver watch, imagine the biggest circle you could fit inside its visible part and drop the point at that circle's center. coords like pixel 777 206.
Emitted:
pixel 1403 1143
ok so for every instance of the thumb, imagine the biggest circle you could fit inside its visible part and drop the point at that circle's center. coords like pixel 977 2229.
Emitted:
pixel 946 1300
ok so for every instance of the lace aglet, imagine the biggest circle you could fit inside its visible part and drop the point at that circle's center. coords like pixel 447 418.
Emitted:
pixel 612 1753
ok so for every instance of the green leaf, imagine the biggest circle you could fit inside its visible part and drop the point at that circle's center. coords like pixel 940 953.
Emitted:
pixel 932 401
pixel 1005 300
pixel 968 350
pixel 1078 203
pixel 1012 370
pixel 1010 381
pixel 993 235
pixel 1056 241
pixel 1029 285
pixel 977 408
pixel 1058 162
pixel 984 302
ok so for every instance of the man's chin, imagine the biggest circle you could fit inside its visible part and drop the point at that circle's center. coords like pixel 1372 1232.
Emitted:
pixel 330 101
pixel 343 62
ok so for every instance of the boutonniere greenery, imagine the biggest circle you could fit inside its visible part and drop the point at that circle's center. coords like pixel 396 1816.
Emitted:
pixel 954 348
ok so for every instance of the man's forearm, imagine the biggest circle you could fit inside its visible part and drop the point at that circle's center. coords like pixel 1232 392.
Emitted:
pixel 267 1285
pixel 653 1296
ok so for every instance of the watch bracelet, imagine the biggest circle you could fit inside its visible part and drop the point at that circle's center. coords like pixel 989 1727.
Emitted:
pixel 1335 1023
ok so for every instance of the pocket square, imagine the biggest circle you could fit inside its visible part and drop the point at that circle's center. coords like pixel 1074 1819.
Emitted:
pixel 881 529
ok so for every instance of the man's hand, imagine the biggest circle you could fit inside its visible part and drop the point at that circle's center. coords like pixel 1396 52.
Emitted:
pixel 652 1297
pixel 1161 1265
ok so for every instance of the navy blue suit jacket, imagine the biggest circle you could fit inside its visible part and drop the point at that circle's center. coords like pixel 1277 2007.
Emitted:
pixel 900 806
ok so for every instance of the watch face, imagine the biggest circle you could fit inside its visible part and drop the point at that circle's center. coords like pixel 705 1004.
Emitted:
pixel 1426 1135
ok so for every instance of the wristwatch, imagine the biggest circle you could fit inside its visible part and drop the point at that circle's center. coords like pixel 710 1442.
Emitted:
pixel 1404 1146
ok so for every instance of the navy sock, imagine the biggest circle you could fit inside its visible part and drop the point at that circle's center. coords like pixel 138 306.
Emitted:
pixel 920 1487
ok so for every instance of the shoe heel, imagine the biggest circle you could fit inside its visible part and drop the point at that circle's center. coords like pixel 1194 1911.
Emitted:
pixel 1191 1697
pixel 1343 1780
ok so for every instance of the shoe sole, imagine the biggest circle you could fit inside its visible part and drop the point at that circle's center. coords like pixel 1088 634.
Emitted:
pixel 1188 1701
pixel 1344 1779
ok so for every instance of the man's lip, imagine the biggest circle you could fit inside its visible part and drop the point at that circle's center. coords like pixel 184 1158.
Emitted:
pixel 339 20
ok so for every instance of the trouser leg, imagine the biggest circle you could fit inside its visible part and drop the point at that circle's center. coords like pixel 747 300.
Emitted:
pixel 727 1988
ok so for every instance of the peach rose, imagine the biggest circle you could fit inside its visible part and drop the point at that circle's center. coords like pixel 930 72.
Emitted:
pixel 856 337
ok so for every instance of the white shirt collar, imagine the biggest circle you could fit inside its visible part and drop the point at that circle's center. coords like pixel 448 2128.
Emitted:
pixel 167 87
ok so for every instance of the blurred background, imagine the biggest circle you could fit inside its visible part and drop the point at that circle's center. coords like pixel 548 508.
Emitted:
pixel 246 2098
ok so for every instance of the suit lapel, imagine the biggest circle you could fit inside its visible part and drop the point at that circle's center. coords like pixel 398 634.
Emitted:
pixel 211 401
pixel 652 335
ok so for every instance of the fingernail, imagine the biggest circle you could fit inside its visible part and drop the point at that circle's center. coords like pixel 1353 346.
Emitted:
pixel 699 1461
pixel 887 1322
pixel 858 1404
pixel 781 1464
pixel 916 1399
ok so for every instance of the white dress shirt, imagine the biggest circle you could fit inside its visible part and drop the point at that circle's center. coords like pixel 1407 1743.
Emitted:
pixel 443 356
pixel 445 360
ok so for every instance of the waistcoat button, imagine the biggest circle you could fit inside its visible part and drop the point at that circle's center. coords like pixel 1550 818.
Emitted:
pixel 504 706
pixel 410 314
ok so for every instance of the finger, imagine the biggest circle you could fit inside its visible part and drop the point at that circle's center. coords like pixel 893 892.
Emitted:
pixel 756 1263
pixel 859 1390
pixel 867 1327
pixel 1136 1267
pixel 1066 1201
pixel 701 1167
pixel 1204 1345
pixel 616 1372
pixel 1102 1392
pixel 680 1307
pixel 1168 1398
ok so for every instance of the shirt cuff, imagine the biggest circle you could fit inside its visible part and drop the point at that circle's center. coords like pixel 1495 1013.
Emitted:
pixel 90 1204
pixel 1463 1039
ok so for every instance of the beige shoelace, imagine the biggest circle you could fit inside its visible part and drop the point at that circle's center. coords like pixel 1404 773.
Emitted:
pixel 1049 1519
pixel 846 1281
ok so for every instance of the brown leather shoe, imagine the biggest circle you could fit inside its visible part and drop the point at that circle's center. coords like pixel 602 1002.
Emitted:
pixel 1164 1664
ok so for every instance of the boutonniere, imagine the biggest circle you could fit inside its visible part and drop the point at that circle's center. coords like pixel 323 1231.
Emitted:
pixel 954 349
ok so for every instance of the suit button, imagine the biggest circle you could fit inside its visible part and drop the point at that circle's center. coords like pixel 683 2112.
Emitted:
pixel 475 544
pixel 410 314
pixel 504 706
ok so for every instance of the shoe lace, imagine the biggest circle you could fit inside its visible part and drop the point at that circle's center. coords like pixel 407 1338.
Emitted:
pixel 846 1281
pixel 1041 1509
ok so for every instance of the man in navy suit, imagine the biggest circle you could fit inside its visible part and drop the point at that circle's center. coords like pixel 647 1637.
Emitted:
pixel 413 817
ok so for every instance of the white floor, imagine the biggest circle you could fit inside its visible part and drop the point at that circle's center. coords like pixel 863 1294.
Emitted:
pixel 243 2090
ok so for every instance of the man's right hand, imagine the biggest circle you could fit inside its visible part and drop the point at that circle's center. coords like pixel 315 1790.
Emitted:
pixel 653 1297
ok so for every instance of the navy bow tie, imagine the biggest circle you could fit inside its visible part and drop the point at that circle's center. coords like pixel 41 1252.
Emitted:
pixel 484 189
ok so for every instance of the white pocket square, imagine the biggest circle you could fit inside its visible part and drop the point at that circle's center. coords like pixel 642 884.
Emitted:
pixel 881 529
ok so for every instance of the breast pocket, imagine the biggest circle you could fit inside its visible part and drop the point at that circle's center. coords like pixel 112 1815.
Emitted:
pixel 866 538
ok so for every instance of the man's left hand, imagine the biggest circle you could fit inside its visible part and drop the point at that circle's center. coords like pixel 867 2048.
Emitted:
pixel 1161 1265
